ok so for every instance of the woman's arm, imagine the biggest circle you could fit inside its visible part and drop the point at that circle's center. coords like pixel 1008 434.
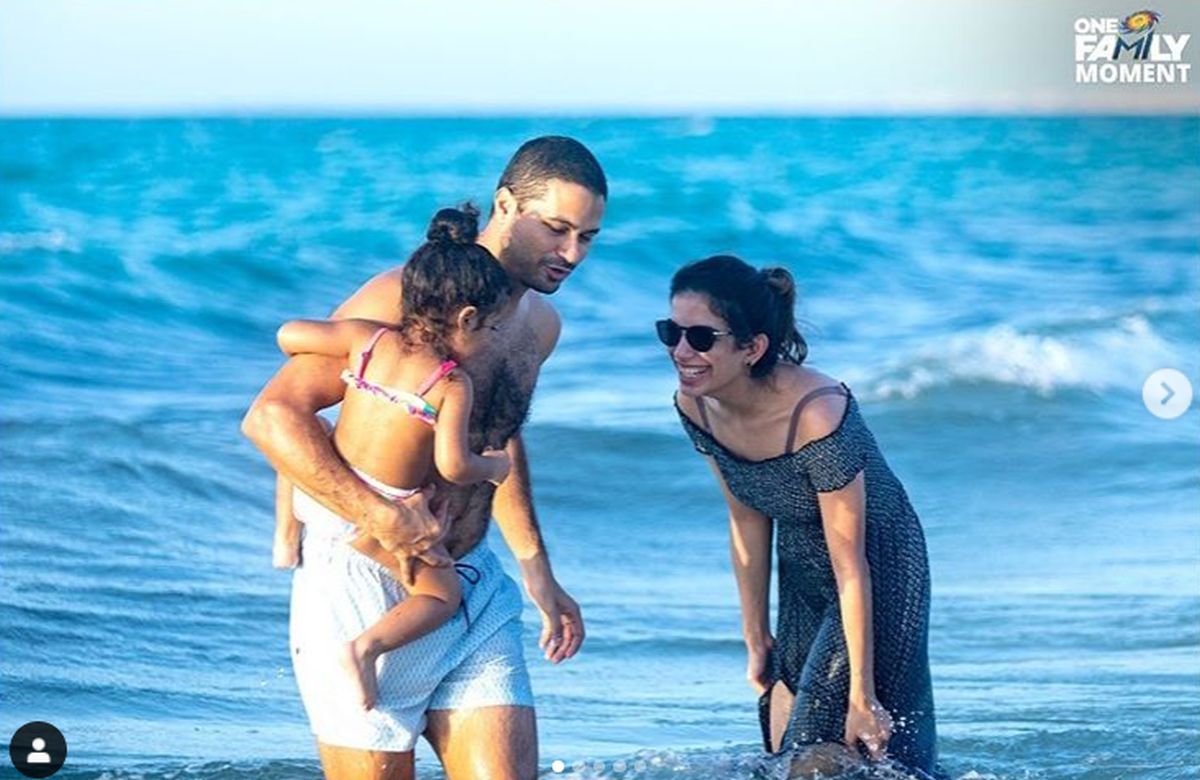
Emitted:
pixel 334 338
pixel 451 449
pixel 843 517
pixel 750 535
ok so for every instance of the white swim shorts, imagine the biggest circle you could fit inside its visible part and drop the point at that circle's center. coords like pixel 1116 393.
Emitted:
pixel 473 660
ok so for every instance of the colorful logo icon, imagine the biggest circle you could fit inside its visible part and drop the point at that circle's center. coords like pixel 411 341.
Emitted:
pixel 1139 22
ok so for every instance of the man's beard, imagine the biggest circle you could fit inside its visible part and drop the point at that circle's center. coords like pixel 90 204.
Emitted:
pixel 528 272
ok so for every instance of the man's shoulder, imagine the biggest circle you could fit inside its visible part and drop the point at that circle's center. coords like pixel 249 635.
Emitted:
pixel 378 299
pixel 541 312
pixel 545 321
pixel 390 280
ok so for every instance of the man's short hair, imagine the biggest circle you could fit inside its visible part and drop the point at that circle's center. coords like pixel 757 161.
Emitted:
pixel 552 157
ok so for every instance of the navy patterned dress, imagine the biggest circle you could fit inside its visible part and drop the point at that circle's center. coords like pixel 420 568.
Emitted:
pixel 810 654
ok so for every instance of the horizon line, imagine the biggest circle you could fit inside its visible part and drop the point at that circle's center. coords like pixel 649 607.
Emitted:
pixel 1172 109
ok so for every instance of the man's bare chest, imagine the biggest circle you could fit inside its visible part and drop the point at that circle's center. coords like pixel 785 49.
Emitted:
pixel 504 379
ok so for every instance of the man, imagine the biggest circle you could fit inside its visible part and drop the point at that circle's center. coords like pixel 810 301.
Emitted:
pixel 546 210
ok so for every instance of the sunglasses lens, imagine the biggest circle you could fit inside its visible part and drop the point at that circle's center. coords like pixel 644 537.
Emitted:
pixel 701 337
pixel 668 332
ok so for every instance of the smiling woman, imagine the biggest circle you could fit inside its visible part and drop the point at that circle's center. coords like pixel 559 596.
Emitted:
pixel 848 663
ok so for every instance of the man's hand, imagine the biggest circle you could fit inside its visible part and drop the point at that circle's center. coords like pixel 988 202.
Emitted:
pixel 562 623
pixel 409 527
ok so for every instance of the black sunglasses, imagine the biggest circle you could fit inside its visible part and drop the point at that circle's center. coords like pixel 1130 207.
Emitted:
pixel 699 337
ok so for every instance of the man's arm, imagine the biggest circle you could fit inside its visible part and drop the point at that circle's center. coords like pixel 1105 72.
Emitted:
pixel 282 422
pixel 512 506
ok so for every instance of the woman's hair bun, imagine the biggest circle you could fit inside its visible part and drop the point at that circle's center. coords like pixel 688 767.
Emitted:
pixel 751 302
pixel 454 226
pixel 780 280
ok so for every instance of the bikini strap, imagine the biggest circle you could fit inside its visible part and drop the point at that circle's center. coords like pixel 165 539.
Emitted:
pixel 820 391
pixel 441 371
pixel 365 357
pixel 703 413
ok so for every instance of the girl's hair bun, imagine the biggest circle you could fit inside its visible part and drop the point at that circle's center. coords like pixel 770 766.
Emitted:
pixel 454 226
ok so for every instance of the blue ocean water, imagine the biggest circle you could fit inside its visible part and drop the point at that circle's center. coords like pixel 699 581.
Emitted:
pixel 996 290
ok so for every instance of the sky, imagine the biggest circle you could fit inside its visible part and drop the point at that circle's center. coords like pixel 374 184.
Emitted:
pixel 163 57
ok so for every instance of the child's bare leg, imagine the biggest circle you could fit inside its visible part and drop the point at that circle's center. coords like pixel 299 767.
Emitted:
pixel 431 600
pixel 285 553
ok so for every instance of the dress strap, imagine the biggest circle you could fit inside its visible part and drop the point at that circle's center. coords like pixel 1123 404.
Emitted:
pixel 438 373
pixel 365 357
pixel 820 391
pixel 703 413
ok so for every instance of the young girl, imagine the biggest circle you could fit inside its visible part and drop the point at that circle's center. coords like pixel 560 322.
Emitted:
pixel 405 413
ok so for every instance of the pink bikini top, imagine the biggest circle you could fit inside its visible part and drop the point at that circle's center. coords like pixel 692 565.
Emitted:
pixel 416 405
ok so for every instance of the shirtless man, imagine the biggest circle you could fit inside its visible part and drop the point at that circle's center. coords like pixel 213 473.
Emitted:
pixel 480 721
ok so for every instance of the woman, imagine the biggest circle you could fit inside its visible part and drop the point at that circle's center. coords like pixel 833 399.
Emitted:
pixel 848 663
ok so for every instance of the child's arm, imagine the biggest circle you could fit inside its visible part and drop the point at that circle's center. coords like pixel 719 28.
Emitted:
pixel 286 550
pixel 451 449
pixel 335 338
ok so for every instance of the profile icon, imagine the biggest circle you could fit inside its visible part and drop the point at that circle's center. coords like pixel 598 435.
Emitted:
pixel 38 749
pixel 39 756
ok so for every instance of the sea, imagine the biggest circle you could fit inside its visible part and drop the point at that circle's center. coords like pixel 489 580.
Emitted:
pixel 995 290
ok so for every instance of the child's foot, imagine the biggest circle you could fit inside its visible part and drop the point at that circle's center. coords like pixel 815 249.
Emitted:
pixel 360 666
pixel 285 554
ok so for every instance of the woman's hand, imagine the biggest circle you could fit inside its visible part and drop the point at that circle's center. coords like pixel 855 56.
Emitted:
pixel 868 722
pixel 758 664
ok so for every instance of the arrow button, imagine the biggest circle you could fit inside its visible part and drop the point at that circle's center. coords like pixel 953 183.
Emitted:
pixel 1177 398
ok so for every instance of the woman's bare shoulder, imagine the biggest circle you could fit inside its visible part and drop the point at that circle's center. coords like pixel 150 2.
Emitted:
pixel 688 406
pixel 820 408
